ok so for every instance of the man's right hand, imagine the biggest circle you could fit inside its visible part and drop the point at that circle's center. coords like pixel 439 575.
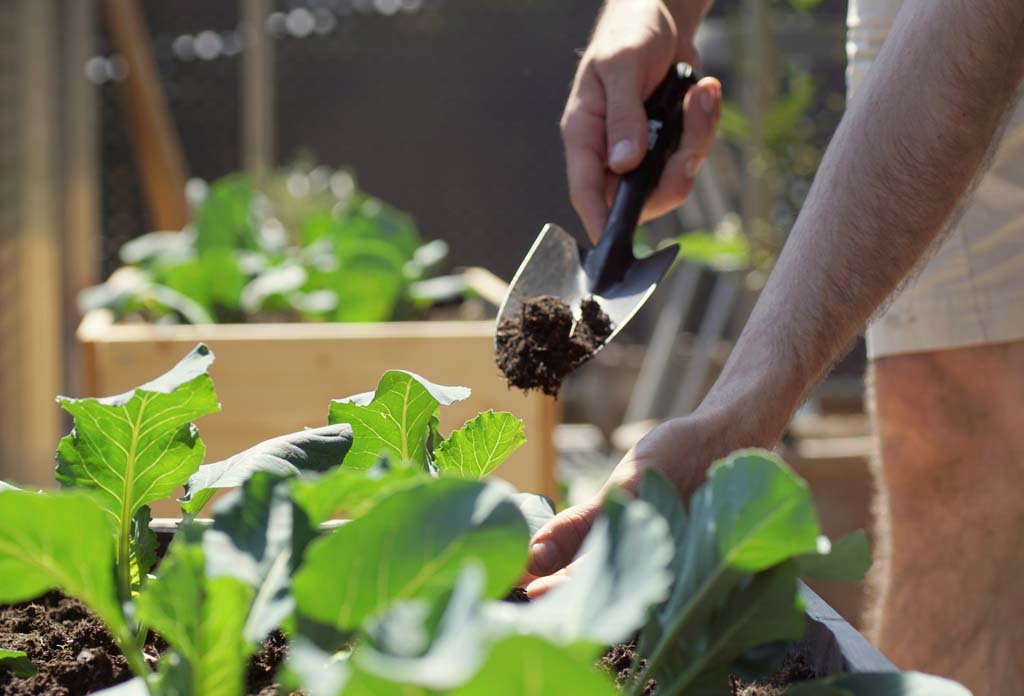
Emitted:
pixel 604 126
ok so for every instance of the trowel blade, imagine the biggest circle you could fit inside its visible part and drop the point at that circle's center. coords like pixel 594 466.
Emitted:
pixel 555 266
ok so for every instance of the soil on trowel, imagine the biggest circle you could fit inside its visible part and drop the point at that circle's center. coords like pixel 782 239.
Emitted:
pixel 538 347
pixel 75 655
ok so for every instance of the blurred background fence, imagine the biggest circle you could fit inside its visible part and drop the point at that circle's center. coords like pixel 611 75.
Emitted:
pixel 447 109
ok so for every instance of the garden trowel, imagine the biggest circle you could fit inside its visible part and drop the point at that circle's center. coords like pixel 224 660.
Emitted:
pixel 621 283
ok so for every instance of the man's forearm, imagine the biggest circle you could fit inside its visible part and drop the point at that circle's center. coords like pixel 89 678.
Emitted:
pixel 903 157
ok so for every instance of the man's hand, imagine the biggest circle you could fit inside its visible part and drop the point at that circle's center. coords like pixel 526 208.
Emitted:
pixel 604 126
pixel 880 198
pixel 681 449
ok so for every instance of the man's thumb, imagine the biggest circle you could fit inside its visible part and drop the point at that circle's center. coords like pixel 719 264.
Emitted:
pixel 626 120
pixel 555 545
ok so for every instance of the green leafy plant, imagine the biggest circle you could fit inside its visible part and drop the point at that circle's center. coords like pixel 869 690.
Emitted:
pixel 404 596
pixel 308 246
pixel 17 662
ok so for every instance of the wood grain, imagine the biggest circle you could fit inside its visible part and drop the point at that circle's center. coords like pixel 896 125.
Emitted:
pixel 278 378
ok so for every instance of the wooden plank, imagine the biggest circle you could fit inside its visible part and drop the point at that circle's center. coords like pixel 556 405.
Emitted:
pixel 157 149
pixel 258 80
pixel 38 299
pixel 278 378
pixel 81 219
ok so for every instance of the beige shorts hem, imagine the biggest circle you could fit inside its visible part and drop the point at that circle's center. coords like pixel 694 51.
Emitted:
pixel 945 325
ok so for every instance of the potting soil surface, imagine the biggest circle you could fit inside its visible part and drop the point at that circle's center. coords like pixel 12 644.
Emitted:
pixel 75 655
pixel 538 347
pixel 794 669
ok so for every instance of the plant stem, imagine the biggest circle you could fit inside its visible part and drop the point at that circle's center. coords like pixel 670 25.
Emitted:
pixel 131 646
pixel 680 623
pixel 124 566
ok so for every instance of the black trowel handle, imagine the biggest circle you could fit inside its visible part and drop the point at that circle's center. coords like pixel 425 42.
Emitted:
pixel 607 263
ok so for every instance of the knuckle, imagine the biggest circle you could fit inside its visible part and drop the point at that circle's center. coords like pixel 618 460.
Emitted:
pixel 623 56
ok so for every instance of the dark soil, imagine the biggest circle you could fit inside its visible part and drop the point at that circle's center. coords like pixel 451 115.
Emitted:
pixel 617 662
pixel 618 659
pixel 517 596
pixel 75 655
pixel 793 669
pixel 538 348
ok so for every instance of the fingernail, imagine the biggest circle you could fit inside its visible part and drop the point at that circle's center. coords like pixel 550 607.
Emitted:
pixel 542 557
pixel 621 152
pixel 706 102
pixel 693 166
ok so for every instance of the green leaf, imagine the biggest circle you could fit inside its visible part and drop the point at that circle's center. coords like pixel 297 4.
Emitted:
pixel 59 541
pixel 880 684
pixel 537 510
pixel 478 447
pixel 225 221
pixel 275 283
pixel 394 419
pixel 369 287
pixel 722 251
pixel 138 447
pixel 412 545
pixel 736 586
pixel 17 662
pixel 142 554
pixel 624 572
pixel 762 611
pixel 202 619
pixel 259 536
pixel 763 511
pixel 353 491
pixel 313 670
pixel 132 687
pixel 846 560
pixel 397 650
pixel 313 449
pixel 528 666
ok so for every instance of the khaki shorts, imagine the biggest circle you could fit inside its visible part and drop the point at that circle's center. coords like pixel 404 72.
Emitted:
pixel 970 291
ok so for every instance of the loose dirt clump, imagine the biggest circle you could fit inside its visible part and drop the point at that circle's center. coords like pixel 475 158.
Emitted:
pixel 517 595
pixel 794 669
pixel 72 651
pixel 538 347
pixel 75 655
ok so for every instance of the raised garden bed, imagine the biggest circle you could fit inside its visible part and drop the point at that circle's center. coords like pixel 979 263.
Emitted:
pixel 277 377
pixel 404 597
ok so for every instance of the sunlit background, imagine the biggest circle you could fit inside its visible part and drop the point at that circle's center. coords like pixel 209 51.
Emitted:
pixel 341 161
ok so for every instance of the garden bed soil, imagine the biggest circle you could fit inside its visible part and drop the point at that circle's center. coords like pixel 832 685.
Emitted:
pixel 75 655
pixel 539 346
pixel 794 669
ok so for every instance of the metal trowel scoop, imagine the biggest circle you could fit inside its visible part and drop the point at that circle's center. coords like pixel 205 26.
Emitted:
pixel 621 283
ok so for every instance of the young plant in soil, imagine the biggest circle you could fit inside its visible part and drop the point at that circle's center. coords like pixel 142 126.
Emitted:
pixel 331 253
pixel 405 597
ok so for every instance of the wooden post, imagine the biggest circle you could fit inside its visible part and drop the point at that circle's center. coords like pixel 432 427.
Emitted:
pixel 38 299
pixel 257 89
pixel 80 127
pixel 157 150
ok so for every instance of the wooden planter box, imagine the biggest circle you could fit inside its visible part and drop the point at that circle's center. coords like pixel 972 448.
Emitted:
pixel 274 379
pixel 833 646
